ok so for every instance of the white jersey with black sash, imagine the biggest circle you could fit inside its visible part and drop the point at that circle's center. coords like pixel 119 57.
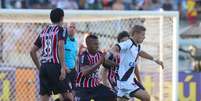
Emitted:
pixel 128 60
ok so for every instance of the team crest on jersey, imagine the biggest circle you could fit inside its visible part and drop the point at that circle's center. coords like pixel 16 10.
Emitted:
pixel 132 64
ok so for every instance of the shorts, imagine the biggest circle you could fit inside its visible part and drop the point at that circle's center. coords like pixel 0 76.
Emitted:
pixel 72 77
pixel 49 80
pixel 99 93
pixel 125 88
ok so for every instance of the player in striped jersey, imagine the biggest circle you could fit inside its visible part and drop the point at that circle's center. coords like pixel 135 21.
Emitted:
pixel 52 68
pixel 129 51
pixel 87 81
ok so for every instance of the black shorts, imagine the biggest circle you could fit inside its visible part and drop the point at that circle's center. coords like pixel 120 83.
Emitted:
pixel 140 87
pixel 72 77
pixel 99 93
pixel 49 80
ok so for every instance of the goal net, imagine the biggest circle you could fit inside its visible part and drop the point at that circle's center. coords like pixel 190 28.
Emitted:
pixel 19 29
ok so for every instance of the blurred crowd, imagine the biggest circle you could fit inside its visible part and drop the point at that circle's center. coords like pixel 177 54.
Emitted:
pixel 189 9
pixel 91 4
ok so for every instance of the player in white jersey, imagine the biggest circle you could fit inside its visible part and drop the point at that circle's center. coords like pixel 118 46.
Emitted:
pixel 129 51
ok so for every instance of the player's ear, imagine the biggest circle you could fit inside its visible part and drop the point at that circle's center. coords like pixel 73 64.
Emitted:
pixel 62 18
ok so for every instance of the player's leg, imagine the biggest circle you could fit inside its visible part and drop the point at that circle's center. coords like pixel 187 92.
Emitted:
pixel 141 94
pixel 72 77
pixel 122 99
pixel 103 93
pixel 44 85
pixel 59 86
pixel 82 94
pixel 44 97
pixel 67 96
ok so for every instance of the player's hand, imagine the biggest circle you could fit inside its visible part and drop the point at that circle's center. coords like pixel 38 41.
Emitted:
pixel 160 63
pixel 102 59
pixel 63 73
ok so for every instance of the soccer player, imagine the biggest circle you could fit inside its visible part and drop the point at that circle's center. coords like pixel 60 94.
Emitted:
pixel 87 82
pixel 129 51
pixel 52 68
pixel 110 79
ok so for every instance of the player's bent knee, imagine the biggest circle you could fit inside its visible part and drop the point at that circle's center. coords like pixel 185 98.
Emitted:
pixel 67 97
pixel 122 99
pixel 146 98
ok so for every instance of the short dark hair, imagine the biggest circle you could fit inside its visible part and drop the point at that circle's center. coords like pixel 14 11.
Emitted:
pixel 91 37
pixel 56 15
pixel 121 35
pixel 137 28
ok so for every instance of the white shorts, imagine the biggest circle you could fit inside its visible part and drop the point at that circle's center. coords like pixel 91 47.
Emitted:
pixel 125 88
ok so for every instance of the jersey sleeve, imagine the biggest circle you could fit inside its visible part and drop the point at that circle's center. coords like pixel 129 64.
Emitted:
pixel 83 60
pixel 125 45
pixel 62 34
pixel 38 42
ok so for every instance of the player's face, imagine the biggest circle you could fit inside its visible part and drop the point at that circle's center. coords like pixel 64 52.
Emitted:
pixel 72 29
pixel 93 45
pixel 140 36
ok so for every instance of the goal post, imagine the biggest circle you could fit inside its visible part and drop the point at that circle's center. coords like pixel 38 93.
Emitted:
pixel 19 29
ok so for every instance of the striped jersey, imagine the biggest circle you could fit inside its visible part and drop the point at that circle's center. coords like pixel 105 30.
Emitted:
pixel 48 40
pixel 112 71
pixel 91 80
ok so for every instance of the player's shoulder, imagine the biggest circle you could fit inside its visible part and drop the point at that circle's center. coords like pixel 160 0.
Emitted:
pixel 99 52
pixel 61 28
pixel 84 53
pixel 133 43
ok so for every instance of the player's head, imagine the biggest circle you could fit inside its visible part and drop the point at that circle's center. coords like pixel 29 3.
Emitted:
pixel 72 28
pixel 138 33
pixel 92 43
pixel 123 36
pixel 57 15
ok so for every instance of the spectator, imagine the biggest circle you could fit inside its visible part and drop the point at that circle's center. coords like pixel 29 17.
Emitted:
pixel 151 5
pixel 138 4
pixel 107 4
pixel 67 4
pixel 128 4
pixel 93 4
pixel 81 4
pixel 167 5
pixel 191 12
pixel 118 5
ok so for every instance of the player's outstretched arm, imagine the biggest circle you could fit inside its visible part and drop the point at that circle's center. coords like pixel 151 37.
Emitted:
pixel 34 57
pixel 148 56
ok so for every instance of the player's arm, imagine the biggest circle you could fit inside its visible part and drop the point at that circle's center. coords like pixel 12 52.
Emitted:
pixel 114 50
pixel 137 73
pixel 148 56
pixel 121 46
pixel 61 53
pixel 34 57
pixel 33 53
pixel 87 69
pixel 108 60
pixel 61 41
pixel 104 76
